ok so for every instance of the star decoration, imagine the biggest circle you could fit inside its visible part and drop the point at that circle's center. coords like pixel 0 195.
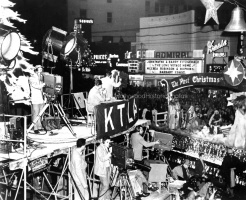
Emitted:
pixel 235 71
pixel 211 9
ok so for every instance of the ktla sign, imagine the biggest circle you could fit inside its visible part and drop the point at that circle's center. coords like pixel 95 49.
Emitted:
pixel 212 48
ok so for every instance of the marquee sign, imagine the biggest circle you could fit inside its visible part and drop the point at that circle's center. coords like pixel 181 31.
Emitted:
pixel 173 54
pixel 205 80
pixel 116 117
pixel 170 66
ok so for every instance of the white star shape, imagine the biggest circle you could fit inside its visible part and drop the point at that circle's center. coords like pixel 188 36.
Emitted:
pixel 211 9
pixel 233 72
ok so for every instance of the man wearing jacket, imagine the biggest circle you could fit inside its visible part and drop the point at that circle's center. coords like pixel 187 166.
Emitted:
pixel 102 167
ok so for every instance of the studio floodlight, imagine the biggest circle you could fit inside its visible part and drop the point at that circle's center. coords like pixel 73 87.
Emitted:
pixel 10 44
pixel 53 43
pixel 74 47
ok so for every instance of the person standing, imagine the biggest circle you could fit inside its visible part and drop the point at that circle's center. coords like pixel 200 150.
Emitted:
pixel 37 99
pixel 200 165
pixel 229 165
pixel 102 167
pixel 95 97
pixel 138 143
pixel 78 171
pixel 109 83
pixel 181 172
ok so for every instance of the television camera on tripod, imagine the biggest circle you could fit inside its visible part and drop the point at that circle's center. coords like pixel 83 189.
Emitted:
pixel 125 177
pixel 53 88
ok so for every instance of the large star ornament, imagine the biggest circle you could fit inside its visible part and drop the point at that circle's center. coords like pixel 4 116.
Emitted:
pixel 211 9
pixel 234 73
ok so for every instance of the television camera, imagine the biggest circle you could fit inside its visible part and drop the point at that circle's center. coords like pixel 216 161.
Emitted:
pixel 53 84
pixel 123 158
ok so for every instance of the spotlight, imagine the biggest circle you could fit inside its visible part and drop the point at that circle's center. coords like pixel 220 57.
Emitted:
pixel 74 47
pixel 52 43
pixel 10 44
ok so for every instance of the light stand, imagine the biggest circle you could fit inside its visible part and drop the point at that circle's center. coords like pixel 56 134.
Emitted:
pixel 60 112
pixel 123 187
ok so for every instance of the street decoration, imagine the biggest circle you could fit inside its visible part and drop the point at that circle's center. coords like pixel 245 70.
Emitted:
pixel 211 9
pixel 234 72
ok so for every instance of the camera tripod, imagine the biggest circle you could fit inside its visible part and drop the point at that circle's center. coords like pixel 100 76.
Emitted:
pixel 60 112
pixel 123 187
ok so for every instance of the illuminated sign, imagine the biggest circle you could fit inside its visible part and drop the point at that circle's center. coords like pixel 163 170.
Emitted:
pixel 219 54
pixel 215 67
pixel 104 58
pixel 133 66
pixel 136 77
pixel 84 21
pixel 173 66
pixel 211 47
pixel 173 54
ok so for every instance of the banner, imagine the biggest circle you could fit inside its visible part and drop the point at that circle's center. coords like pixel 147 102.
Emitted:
pixel 115 117
pixel 205 80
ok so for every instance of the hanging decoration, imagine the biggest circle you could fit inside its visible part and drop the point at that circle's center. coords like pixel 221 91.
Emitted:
pixel 211 9
pixel 234 72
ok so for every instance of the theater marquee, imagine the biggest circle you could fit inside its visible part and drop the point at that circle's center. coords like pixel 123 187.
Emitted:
pixel 170 66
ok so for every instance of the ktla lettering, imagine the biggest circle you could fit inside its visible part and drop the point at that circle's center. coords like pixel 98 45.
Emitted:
pixel 122 114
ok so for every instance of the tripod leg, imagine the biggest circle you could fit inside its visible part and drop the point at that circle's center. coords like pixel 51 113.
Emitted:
pixel 63 116
pixel 37 118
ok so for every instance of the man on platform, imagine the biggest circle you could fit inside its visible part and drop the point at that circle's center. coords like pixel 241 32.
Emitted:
pixel 78 170
pixel 181 172
pixel 109 83
pixel 138 143
pixel 37 99
pixel 95 97
pixel 102 167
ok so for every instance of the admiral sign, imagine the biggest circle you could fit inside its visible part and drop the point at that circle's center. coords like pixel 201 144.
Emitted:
pixel 169 66
pixel 116 117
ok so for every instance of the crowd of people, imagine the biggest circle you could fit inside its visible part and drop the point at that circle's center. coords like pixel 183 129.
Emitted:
pixel 188 108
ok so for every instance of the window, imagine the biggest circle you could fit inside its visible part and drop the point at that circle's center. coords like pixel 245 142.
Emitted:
pixel 176 9
pixel 157 7
pixel 162 8
pixel 170 10
pixel 109 17
pixel 83 13
pixel 147 6
pixel 109 1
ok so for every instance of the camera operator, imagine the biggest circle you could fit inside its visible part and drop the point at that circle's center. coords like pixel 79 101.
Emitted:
pixel 102 167
pixel 138 143
pixel 37 99
pixel 78 170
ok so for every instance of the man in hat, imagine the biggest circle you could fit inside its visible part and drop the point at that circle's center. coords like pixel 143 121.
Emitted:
pixel 37 99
